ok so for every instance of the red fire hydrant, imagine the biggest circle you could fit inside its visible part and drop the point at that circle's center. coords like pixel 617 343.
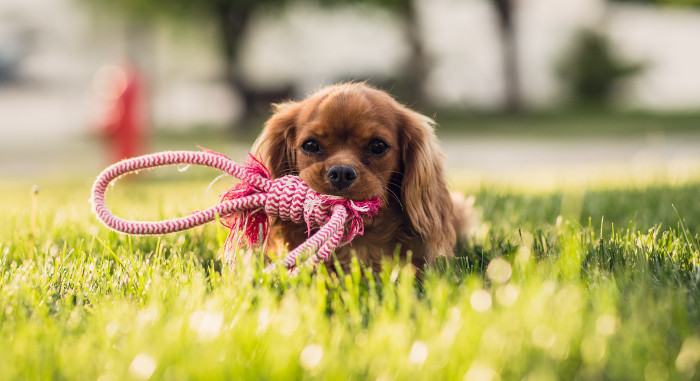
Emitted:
pixel 124 120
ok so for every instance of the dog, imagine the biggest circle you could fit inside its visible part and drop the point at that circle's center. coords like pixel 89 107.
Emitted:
pixel 357 142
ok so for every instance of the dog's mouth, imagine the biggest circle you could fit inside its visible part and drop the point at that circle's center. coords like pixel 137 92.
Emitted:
pixel 353 192
pixel 349 193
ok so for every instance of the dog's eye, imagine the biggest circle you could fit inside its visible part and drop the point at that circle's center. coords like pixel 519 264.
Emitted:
pixel 311 147
pixel 378 147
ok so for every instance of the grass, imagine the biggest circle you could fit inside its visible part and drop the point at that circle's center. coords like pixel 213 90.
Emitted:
pixel 567 123
pixel 571 123
pixel 602 284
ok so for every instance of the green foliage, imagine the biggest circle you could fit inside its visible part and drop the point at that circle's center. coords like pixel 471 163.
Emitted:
pixel 662 2
pixel 209 10
pixel 388 4
pixel 535 296
pixel 592 69
pixel 180 9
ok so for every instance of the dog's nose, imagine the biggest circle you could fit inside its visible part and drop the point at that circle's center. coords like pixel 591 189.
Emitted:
pixel 341 176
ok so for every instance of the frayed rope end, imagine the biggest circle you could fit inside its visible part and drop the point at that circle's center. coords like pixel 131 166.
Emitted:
pixel 249 226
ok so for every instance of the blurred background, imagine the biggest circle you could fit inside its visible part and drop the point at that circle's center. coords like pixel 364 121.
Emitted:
pixel 544 90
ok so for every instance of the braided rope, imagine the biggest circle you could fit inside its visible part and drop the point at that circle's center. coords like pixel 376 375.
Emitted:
pixel 289 198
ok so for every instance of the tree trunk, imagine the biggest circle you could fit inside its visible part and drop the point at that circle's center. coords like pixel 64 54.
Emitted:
pixel 417 67
pixel 505 10
pixel 233 22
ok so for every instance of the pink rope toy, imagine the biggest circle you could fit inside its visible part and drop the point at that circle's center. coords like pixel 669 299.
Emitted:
pixel 245 208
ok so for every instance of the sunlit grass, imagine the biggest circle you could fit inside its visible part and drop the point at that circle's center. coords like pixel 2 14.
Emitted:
pixel 559 284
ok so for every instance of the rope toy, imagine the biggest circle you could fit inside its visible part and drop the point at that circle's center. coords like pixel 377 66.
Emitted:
pixel 246 207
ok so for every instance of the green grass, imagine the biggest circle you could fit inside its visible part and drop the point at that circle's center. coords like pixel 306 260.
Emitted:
pixel 567 123
pixel 607 291
pixel 572 123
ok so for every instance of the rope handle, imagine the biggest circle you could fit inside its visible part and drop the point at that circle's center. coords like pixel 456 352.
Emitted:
pixel 198 218
pixel 253 200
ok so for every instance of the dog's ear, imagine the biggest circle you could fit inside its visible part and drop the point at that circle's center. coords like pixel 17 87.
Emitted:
pixel 275 144
pixel 424 194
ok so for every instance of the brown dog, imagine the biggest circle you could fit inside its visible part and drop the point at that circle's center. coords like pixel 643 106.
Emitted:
pixel 357 142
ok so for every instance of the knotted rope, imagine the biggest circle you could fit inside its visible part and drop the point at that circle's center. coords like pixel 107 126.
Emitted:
pixel 245 208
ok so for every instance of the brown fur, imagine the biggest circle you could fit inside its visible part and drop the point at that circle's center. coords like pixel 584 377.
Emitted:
pixel 417 212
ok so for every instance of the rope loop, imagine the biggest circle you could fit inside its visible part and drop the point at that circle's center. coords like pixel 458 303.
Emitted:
pixel 247 206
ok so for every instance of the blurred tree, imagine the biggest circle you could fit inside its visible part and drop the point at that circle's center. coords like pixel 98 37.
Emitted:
pixel 232 18
pixel 592 70
pixel 418 62
pixel 505 10
pixel 416 69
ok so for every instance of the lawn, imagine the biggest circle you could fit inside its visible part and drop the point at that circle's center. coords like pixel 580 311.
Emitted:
pixel 562 284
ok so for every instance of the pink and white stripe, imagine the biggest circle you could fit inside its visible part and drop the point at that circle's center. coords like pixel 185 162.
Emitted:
pixel 288 198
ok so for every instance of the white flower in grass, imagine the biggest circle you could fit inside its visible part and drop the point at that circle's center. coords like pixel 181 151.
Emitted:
pixel 311 356
pixel 689 356
pixel 479 372
pixel 264 320
pixel 606 325
pixel 499 270
pixel 206 324
pixel 142 367
pixel 147 316
pixel 480 300
pixel 419 352
pixel 112 328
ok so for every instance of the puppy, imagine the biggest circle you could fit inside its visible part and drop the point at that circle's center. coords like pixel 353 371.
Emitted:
pixel 357 142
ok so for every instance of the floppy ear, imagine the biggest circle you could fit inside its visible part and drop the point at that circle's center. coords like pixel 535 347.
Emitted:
pixel 275 144
pixel 424 193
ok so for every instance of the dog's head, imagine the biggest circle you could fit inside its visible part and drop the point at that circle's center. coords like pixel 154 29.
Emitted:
pixel 357 142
